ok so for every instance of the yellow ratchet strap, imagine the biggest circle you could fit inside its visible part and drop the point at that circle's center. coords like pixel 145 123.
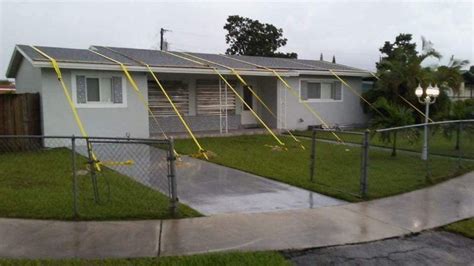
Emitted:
pixel 405 100
pixel 293 92
pixel 112 163
pixel 201 150
pixel 234 91
pixel 137 90
pixel 55 65
pixel 250 109
pixel 356 93
pixel 241 79
pixel 414 107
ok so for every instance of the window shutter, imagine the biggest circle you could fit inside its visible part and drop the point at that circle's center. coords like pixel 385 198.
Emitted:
pixel 117 96
pixel 337 88
pixel 81 89
pixel 304 90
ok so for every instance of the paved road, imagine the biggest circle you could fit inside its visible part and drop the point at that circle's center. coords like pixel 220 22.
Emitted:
pixel 395 216
pixel 207 187
pixel 427 248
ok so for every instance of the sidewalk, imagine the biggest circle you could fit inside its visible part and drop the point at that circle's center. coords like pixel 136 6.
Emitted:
pixel 296 229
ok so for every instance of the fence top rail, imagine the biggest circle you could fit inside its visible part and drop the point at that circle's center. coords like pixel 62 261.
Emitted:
pixel 339 131
pixel 426 124
pixel 84 138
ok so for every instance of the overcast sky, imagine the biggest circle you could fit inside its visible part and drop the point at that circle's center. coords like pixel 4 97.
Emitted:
pixel 351 30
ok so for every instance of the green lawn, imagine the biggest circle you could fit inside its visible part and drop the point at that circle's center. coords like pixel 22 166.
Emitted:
pixel 412 140
pixel 465 227
pixel 338 166
pixel 231 258
pixel 39 185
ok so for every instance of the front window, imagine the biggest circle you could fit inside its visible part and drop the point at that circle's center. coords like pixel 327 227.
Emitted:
pixel 320 90
pixel 101 90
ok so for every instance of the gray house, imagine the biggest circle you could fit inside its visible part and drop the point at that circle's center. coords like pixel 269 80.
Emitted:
pixel 109 106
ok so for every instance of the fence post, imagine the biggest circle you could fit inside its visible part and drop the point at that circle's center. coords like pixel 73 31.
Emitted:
pixel 458 144
pixel 74 176
pixel 428 178
pixel 364 164
pixel 172 177
pixel 92 163
pixel 312 156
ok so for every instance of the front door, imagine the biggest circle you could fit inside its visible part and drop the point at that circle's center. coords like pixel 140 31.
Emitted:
pixel 247 118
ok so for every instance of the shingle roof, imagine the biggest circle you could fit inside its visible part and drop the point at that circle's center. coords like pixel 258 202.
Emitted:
pixel 150 57
pixel 63 54
pixel 156 58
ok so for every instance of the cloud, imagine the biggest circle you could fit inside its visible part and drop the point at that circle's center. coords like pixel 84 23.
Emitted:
pixel 353 31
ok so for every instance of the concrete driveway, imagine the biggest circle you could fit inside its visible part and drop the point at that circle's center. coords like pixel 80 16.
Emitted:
pixel 210 188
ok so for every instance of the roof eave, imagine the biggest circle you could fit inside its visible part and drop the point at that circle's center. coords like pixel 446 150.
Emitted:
pixel 177 70
pixel 15 62
pixel 347 73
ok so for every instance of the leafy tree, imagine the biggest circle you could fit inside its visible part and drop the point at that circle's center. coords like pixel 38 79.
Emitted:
pixel 449 76
pixel 401 70
pixel 394 115
pixel 246 36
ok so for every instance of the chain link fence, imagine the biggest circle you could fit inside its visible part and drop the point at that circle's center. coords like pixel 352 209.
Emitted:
pixel 390 161
pixel 64 177
pixel 351 156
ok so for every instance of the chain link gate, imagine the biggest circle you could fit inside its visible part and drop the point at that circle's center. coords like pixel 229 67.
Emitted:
pixel 147 161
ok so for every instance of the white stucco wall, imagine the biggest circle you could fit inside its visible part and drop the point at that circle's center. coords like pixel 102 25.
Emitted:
pixel 346 112
pixel 28 78
pixel 58 118
pixel 133 119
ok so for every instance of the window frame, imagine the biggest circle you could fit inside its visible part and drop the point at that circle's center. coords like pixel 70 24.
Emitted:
pixel 332 81
pixel 98 104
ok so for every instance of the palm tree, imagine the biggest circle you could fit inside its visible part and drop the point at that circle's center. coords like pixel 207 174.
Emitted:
pixel 394 115
pixel 403 68
pixel 449 76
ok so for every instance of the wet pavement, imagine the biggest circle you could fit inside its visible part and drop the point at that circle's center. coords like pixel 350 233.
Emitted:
pixel 407 213
pixel 59 239
pixel 427 248
pixel 207 187
pixel 215 189
pixel 395 216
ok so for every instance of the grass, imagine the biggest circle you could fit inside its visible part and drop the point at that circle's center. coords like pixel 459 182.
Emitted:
pixel 231 258
pixel 39 185
pixel 411 140
pixel 337 166
pixel 465 227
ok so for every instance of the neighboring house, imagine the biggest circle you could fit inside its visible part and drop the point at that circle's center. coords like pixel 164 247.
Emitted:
pixel 108 105
pixel 6 87
pixel 466 90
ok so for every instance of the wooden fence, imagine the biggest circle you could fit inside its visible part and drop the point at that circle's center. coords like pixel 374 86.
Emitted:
pixel 20 114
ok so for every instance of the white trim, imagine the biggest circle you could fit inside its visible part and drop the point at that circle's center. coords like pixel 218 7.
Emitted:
pixel 98 104
pixel 362 74
pixel 198 70
pixel 88 66
pixel 24 55
pixel 16 51
pixel 319 100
